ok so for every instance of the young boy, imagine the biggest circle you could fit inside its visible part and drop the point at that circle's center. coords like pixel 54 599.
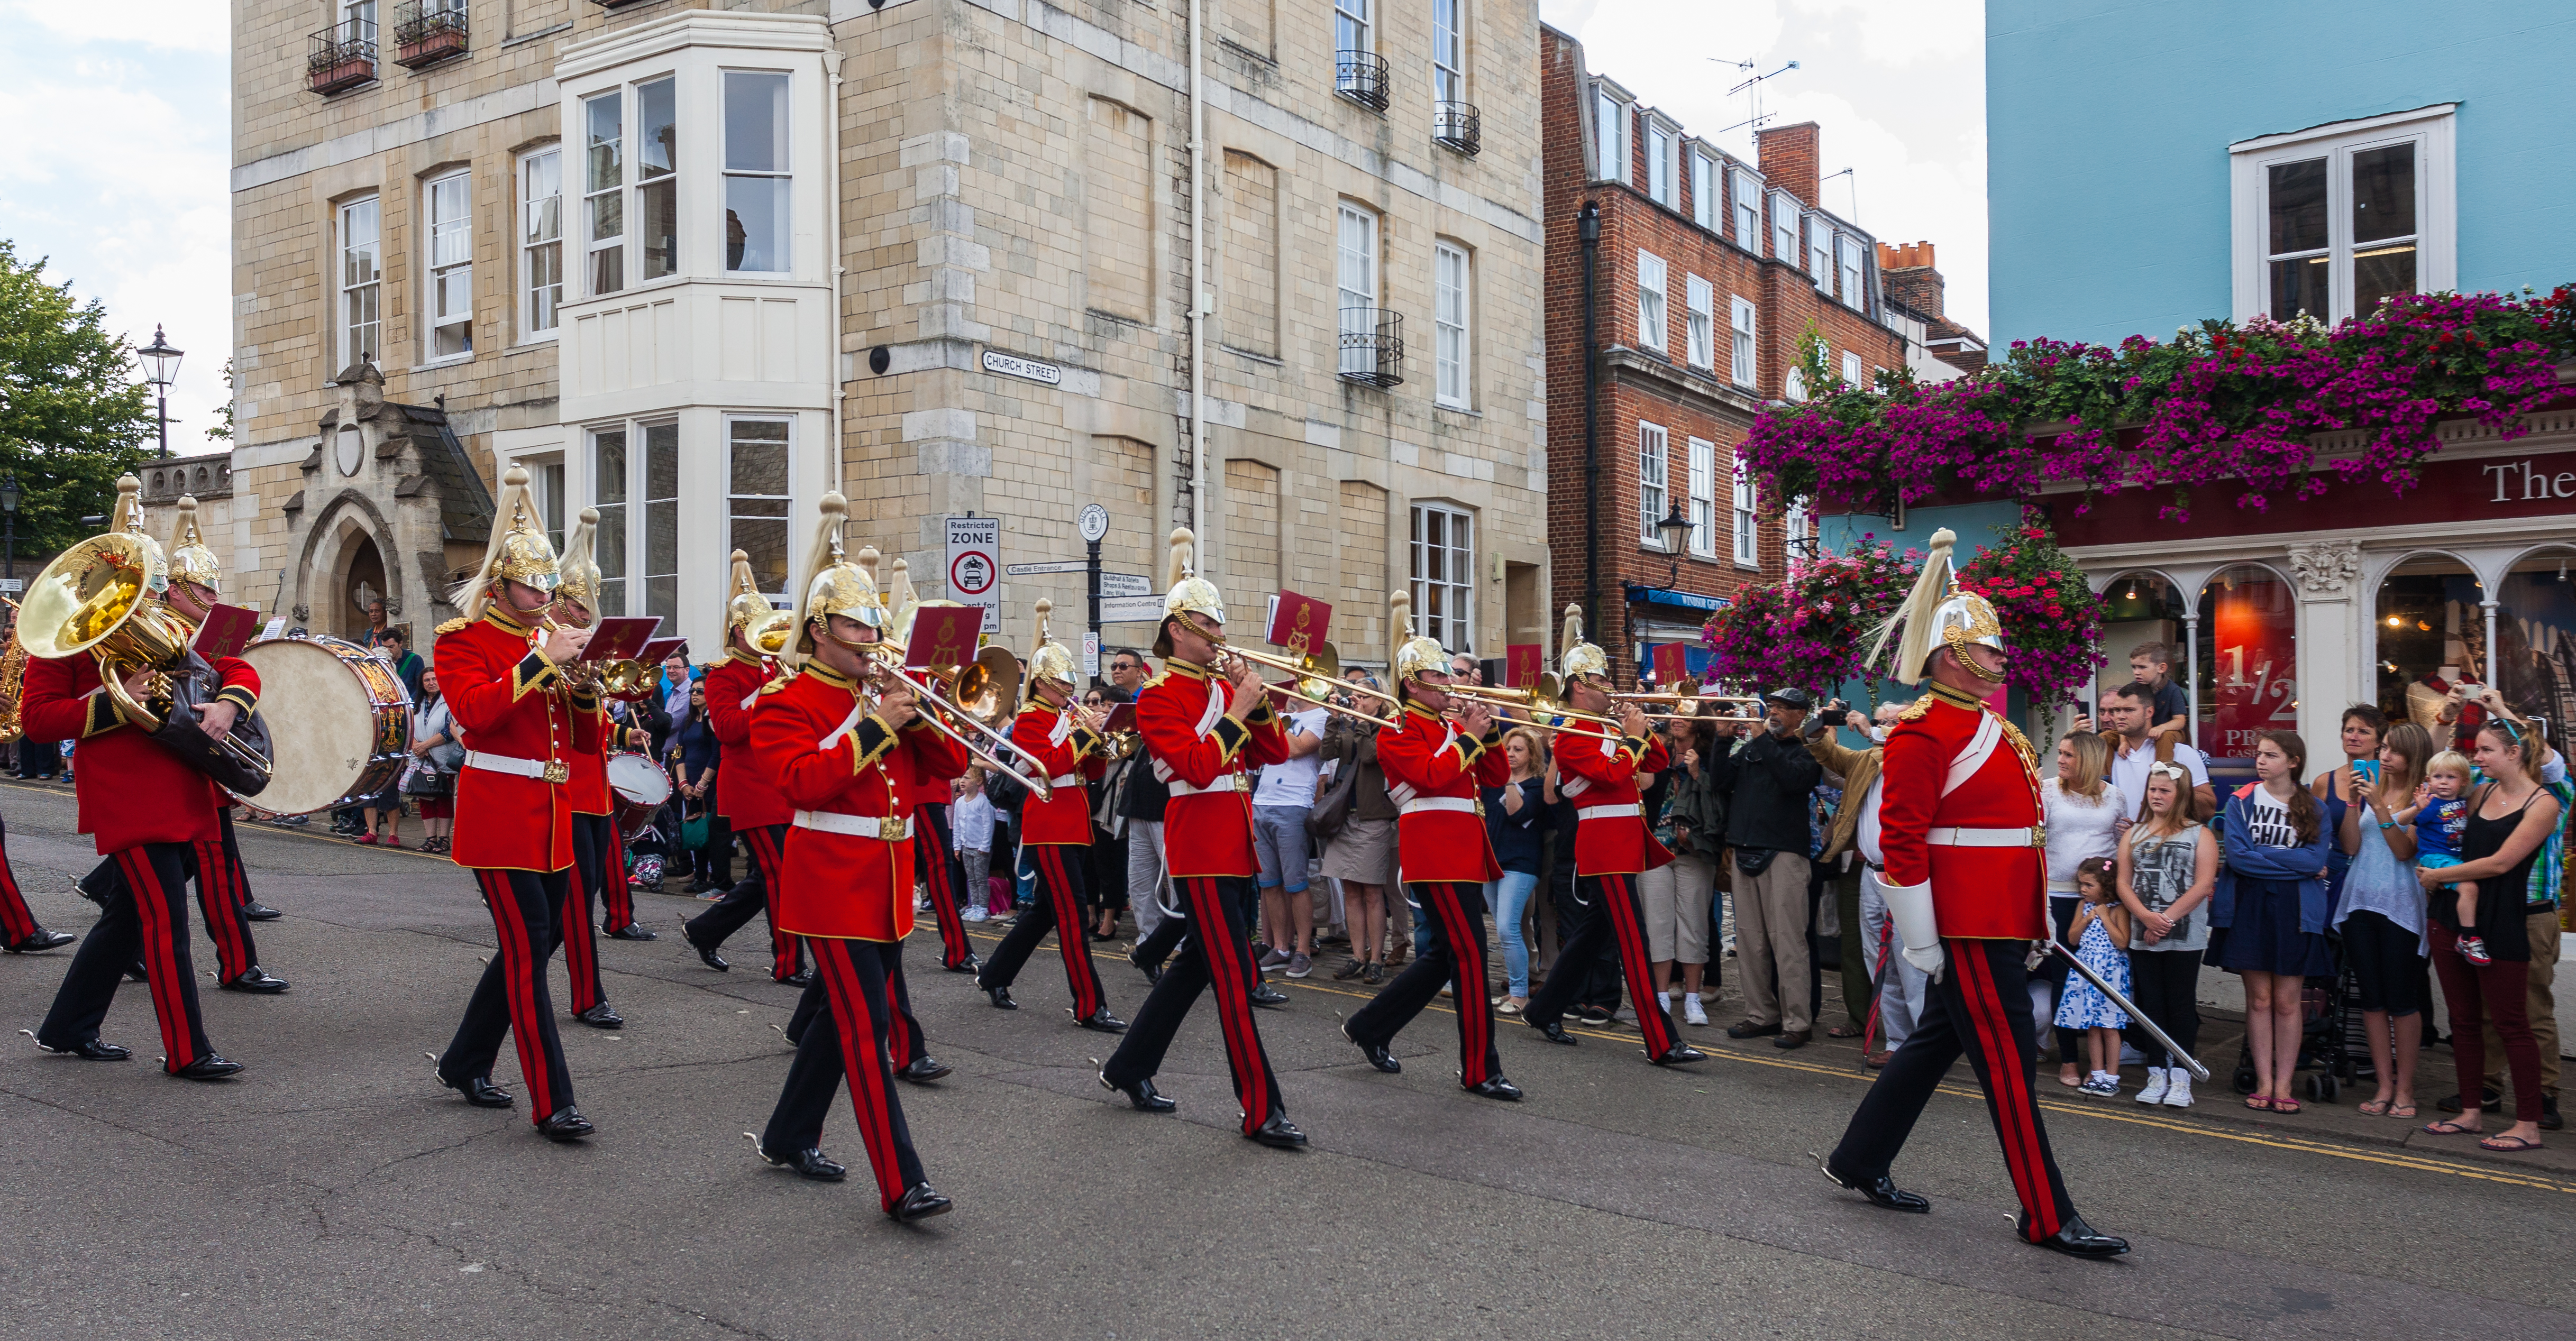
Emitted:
pixel 2438 826
pixel 2151 664
pixel 970 819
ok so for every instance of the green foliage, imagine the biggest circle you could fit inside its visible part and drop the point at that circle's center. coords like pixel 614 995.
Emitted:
pixel 72 418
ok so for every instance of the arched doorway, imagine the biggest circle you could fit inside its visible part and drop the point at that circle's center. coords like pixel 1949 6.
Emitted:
pixel 362 580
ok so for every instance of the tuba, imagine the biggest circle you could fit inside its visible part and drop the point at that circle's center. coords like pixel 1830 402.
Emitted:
pixel 98 597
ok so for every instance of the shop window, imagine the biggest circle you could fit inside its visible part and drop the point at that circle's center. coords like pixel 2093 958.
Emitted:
pixel 2433 633
pixel 2248 665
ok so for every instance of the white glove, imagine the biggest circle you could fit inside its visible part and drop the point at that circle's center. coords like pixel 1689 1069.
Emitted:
pixel 1910 908
pixel 2038 955
pixel 1931 959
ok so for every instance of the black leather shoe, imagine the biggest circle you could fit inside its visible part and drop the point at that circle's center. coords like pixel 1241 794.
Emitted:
pixel 479 1091
pixel 260 912
pixel 2074 1238
pixel 1376 1054
pixel 1679 1054
pixel 1795 1038
pixel 919 1203
pixel 1748 1029
pixel 209 1067
pixel 1153 972
pixel 633 931
pixel 1553 1031
pixel 1263 994
pixel 1279 1133
pixel 602 1016
pixel 923 1070
pixel 1141 1094
pixel 706 953
pixel 258 980
pixel 1102 1022
pixel 2487 1098
pixel 566 1124
pixel 41 939
pixel 1881 1191
pixel 807 1163
pixel 801 978
pixel 2549 1119
pixel 970 964
pixel 1497 1088
pixel 88 1049
pixel 999 996
pixel 134 972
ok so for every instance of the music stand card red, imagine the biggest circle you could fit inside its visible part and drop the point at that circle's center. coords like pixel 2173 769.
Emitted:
pixel 1301 623
pixel 1521 665
pixel 943 635
pixel 1672 664
pixel 660 650
pixel 1122 717
pixel 227 630
pixel 621 638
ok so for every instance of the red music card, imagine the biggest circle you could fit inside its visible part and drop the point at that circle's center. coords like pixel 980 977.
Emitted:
pixel 1672 664
pixel 943 635
pixel 1522 664
pixel 621 638
pixel 1301 623
pixel 227 630
pixel 659 650
pixel 1122 717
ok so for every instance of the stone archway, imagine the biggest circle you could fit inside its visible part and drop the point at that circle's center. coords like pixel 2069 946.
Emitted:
pixel 349 556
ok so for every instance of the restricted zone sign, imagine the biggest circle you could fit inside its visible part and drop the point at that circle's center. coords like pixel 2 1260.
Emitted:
pixel 975 566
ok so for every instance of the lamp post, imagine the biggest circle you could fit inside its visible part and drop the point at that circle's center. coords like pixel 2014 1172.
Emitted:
pixel 1675 530
pixel 9 525
pixel 161 368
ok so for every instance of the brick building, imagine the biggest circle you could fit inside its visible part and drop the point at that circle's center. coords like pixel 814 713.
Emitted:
pixel 695 264
pixel 1706 273
pixel 1936 347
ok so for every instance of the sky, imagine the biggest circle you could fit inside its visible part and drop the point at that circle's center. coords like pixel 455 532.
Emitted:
pixel 115 166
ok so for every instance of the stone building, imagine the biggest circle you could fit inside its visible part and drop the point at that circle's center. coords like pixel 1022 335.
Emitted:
pixel 696 265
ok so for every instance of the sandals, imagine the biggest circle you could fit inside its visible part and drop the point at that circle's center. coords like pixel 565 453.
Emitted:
pixel 2285 1106
pixel 2507 1145
pixel 2260 1103
pixel 2446 1127
pixel 2373 1108
pixel 1843 1031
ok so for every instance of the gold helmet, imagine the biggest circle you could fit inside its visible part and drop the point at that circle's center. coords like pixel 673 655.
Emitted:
pixel 190 560
pixel 577 575
pixel 126 518
pixel 1051 662
pixel 838 586
pixel 1191 595
pixel 518 551
pixel 1937 614
pixel 1580 658
pixel 1414 653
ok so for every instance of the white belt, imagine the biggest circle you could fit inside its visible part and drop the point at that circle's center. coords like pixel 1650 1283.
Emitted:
pixel 1632 810
pixel 891 828
pixel 1231 782
pixel 1068 780
pixel 1430 803
pixel 1950 837
pixel 550 770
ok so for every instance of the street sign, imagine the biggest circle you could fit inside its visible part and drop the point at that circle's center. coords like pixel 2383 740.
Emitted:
pixel 13 584
pixel 975 566
pixel 1144 609
pixel 1093 522
pixel 1091 653
pixel 1051 566
pixel 1126 584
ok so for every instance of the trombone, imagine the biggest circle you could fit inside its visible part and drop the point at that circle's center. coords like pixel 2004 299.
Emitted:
pixel 1314 677
pixel 980 682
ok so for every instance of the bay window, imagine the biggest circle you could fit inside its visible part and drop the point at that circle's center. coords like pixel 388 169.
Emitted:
pixel 756 491
pixel 631 228
pixel 755 171
pixel 635 485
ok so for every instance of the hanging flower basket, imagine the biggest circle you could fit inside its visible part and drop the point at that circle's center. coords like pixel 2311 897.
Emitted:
pixel 2051 618
pixel 1811 628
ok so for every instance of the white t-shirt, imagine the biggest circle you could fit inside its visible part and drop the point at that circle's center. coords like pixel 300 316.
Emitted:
pixel 1293 783
pixel 2129 771
pixel 2078 829
pixel 2270 824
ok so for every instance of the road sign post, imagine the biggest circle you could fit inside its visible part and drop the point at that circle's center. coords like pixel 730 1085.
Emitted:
pixel 975 565
pixel 1093 522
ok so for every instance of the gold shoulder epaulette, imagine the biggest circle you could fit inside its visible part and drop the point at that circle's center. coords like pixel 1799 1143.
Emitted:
pixel 1914 711
pixel 776 683
pixel 450 626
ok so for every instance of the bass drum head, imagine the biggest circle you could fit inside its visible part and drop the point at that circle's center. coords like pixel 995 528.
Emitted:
pixel 324 727
pixel 637 781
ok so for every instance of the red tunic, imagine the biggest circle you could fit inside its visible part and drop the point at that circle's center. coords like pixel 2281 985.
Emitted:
pixel 589 786
pixel 132 790
pixel 835 762
pixel 511 703
pixel 746 795
pixel 1978 892
pixel 1433 771
pixel 1066 762
pixel 1598 772
pixel 1202 754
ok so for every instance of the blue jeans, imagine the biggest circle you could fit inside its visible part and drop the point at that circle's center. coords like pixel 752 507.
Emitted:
pixel 1509 898
pixel 1279 839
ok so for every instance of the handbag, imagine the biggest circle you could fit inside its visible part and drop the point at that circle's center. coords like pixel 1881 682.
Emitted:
pixel 1332 814
pixel 693 832
pixel 1753 860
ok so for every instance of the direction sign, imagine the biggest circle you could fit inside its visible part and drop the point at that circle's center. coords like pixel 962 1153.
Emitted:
pixel 1093 521
pixel 975 566
pixel 1126 584
pixel 1144 609
pixel 1051 566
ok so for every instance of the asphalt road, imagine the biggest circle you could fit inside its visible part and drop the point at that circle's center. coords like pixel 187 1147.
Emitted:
pixel 336 1191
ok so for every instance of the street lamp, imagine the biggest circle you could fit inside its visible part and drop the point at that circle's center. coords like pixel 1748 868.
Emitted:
pixel 161 368
pixel 1675 530
pixel 9 526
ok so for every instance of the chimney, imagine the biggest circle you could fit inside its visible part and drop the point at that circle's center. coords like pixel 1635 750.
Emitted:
pixel 1787 156
pixel 1906 271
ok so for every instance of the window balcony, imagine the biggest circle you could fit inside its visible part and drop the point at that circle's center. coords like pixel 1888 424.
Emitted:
pixel 619 4
pixel 1361 77
pixel 427 32
pixel 1456 125
pixel 1372 347
pixel 341 57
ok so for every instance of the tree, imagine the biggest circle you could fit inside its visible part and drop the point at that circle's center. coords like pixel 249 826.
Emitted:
pixel 72 418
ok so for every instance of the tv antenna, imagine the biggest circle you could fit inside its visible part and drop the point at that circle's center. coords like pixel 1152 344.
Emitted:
pixel 1751 88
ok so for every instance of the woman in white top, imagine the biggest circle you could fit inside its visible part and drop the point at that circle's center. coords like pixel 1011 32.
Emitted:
pixel 2085 815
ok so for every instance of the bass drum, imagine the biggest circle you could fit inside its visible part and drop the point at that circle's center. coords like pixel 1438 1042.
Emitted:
pixel 639 787
pixel 339 718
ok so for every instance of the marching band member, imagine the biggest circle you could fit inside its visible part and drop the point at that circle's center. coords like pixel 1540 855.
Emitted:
pixel 1611 844
pixel 845 762
pixel 521 725
pixel 1056 744
pixel 934 842
pixel 1433 770
pixel 1960 823
pixel 748 798
pixel 595 845
pixel 20 932
pixel 145 808
pixel 223 884
pixel 1202 729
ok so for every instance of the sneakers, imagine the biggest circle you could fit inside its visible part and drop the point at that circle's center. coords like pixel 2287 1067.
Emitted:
pixel 1349 970
pixel 1691 1011
pixel 2158 1079
pixel 2102 1085
pixel 2474 950
pixel 2130 1056
pixel 1271 959
pixel 972 915
pixel 2178 1088
pixel 1300 965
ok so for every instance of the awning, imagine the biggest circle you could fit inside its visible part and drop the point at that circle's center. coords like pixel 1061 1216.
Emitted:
pixel 1639 594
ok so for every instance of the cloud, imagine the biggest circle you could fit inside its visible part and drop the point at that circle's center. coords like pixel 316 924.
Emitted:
pixel 181 25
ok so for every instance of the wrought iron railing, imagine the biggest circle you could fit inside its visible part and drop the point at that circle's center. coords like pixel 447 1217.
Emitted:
pixel 1372 347
pixel 341 56
pixel 427 32
pixel 1456 125
pixel 1361 77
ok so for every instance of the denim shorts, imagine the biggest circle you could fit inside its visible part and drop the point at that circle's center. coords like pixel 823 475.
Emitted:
pixel 1279 838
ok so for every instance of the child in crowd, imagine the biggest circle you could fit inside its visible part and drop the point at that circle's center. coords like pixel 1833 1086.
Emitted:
pixel 2101 936
pixel 2152 665
pixel 2439 822
pixel 970 820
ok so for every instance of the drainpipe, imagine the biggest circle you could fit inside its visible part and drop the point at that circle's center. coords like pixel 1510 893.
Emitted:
pixel 1198 290
pixel 1590 230
pixel 832 217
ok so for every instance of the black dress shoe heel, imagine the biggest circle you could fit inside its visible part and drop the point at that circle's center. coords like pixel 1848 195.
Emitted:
pixel 1153 972
pixel 602 1016
pixel 922 1070
pixel 1495 1087
pixel 1278 1133
pixel 2074 1238
pixel 1553 1031
pixel 209 1067
pixel 807 1163
pixel 566 1124
pixel 88 1049
pixel 1263 994
pixel 801 978
pixel 919 1203
pixel 999 996
pixel 1101 1022
pixel 706 953
pixel 478 1090
pixel 257 981
pixel 1141 1094
pixel 41 939
pixel 1376 1053
pixel 633 931
pixel 1679 1054
pixel 260 912
pixel 970 964
pixel 1881 1191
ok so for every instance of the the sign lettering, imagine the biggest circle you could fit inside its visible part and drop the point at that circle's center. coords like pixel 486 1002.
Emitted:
pixel 1012 365
pixel 2517 482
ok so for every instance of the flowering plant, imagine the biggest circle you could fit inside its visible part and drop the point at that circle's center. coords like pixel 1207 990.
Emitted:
pixel 2051 618
pixel 2222 401
pixel 1810 629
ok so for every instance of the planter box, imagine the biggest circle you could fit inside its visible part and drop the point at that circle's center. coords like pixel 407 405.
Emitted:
pixel 342 74
pixel 430 48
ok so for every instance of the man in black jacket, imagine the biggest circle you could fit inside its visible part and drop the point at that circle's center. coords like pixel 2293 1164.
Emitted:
pixel 1767 781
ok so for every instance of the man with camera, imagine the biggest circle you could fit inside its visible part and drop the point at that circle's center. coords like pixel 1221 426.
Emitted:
pixel 1767 781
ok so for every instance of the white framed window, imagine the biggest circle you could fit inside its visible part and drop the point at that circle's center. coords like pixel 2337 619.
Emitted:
pixel 603 183
pixel 1741 366
pixel 632 231
pixel 1793 384
pixel 546 482
pixel 757 471
pixel 1450 274
pixel 757 177
pixel 1444 575
pixel 1654 467
pixel 540 242
pixel 1851 372
pixel 1703 498
pixel 361 279
pixel 1448 52
pixel 1355 276
pixel 1820 254
pixel 359 12
pixel 1855 293
pixel 1784 226
pixel 1746 189
pixel 450 211
pixel 1650 300
pixel 1794 523
pixel 1703 322
pixel 1703 190
pixel 1354 26
pixel 2331 221
pixel 635 485
pixel 1610 135
pixel 1659 164
pixel 1748 553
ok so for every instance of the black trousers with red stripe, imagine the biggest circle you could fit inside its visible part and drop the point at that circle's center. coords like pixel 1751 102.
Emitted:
pixel 594 849
pixel 1216 953
pixel 1980 1005
pixel 145 916
pixel 1615 920
pixel 1058 908
pixel 616 892
pixel 1456 956
pixel 934 854
pixel 223 898
pixel 17 920
pixel 904 1037
pixel 528 910
pixel 768 845
pixel 848 1040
